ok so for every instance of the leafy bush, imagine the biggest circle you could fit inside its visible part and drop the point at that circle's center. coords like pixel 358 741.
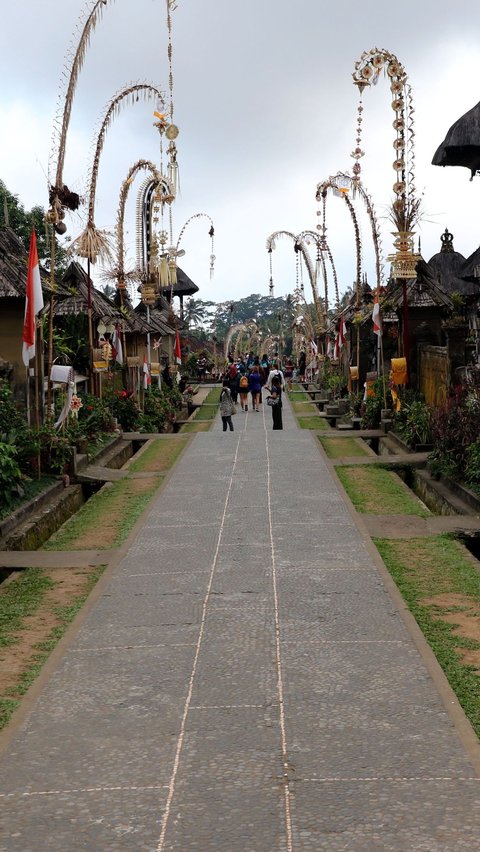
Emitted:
pixel 95 415
pixel 10 474
pixel 124 408
pixel 472 472
pixel 379 391
pixel 455 431
pixel 413 422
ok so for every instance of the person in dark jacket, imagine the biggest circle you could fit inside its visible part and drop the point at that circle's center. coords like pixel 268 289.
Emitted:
pixel 255 386
pixel 275 400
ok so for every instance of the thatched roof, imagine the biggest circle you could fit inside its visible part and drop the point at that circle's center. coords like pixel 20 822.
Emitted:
pixel 159 320
pixel 455 273
pixel 424 291
pixel 184 285
pixel 75 282
pixel 14 266
pixel 461 146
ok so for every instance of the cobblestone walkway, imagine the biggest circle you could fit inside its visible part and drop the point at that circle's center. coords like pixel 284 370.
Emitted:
pixel 244 683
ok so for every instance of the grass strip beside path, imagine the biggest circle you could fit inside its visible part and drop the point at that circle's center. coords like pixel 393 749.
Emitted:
pixel 159 455
pixel 205 414
pixel 376 491
pixel 313 422
pixel 440 583
pixel 304 408
pixel 300 396
pixel 342 447
pixel 35 610
pixel 106 520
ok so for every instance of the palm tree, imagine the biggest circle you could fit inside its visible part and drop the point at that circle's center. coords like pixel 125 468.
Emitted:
pixel 194 313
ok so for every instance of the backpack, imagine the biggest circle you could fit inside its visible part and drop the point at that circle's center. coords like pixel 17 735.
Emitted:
pixel 244 381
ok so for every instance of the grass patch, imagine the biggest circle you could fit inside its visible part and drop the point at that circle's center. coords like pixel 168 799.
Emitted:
pixel 376 491
pixel 196 427
pixel 20 599
pixel 300 396
pixel 32 488
pixel 337 447
pixel 430 573
pixel 106 520
pixel 159 456
pixel 37 655
pixel 304 408
pixel 313 422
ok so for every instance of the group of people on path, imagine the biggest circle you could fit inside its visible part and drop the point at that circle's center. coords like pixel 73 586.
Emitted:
pixel 248 377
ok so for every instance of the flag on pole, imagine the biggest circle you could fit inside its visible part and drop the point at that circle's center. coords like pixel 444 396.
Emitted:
pixel 33 302
pixel 147 379
pixel 177 351
pixel 340 337
pixel 376 316
pixel 117 348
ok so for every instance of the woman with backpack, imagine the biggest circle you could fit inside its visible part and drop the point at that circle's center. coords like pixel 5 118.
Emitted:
pixel 243 388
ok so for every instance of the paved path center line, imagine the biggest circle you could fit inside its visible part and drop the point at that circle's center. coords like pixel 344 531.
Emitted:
pixel 278 658
pixel 188 700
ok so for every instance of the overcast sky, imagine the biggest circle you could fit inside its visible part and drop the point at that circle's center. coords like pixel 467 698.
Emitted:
pixel 266 107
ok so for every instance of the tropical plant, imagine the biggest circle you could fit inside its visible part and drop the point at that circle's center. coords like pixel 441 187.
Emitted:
pixel 413 422
pixel 455 429
pixel 10 474
pixel 375 402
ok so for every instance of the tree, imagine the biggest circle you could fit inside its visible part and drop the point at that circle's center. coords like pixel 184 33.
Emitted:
pixel 13 213
pixel 195 312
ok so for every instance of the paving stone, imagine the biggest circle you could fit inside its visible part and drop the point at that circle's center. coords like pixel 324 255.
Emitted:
pixel 214 668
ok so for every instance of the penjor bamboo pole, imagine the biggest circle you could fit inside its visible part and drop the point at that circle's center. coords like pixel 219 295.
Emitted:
pixel 90 328
pixel 53 245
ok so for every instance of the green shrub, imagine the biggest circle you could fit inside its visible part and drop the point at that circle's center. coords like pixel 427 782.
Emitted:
pixel 455 431
pixel 472 474
pixel 374 403
pixel 10 474
pixel 413 422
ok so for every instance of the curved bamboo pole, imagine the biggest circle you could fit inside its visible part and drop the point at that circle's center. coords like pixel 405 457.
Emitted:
pixel 132 173
pixel 77 63
pixel 405 208
pixel 321 195
pixel 323 248
pixel 232 331
pixel 92 243
pixel 299 246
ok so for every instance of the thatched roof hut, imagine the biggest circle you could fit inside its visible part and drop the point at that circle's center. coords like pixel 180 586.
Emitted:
pixel 461 146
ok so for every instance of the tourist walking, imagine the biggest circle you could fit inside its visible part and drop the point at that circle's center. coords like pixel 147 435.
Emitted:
pixel 227 406
pixel 243 388
pixel 276 372
pixel 255 386
pixel 232 378
pixel 275 401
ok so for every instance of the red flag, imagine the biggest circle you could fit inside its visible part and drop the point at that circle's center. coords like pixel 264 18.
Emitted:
pixel 376 317
pixel 33 302
pixel 147 379
pixel 177 351
pixel 117 348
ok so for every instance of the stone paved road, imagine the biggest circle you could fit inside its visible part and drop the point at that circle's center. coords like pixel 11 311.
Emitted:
pixel 244 683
